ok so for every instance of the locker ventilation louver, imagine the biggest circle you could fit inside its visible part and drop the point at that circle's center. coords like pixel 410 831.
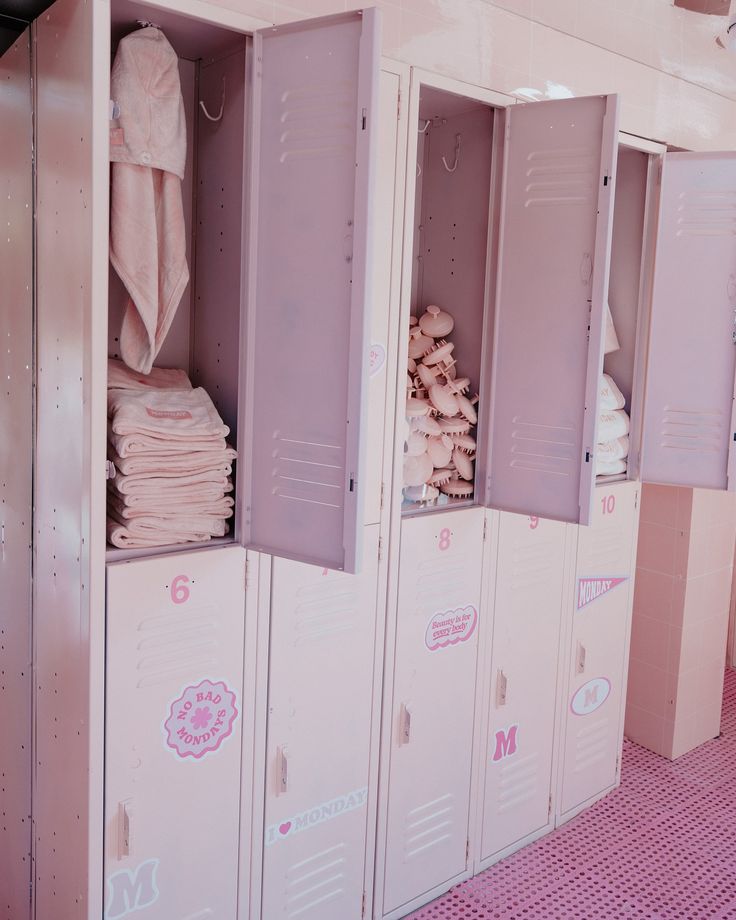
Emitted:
pixel 429 825
pixel 698 430
pixel 533 564
pixel 561 177
pixel 519 782
pixel 318 121
pixel 605 553
pixel 177 644
pixel 305 471
pixel 324 611
pixel 707 213
pixel 592 745
pixel 314 882
pixel 542 448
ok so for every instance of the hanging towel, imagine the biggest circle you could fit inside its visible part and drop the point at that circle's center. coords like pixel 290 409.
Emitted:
pixel 121 377
pixel 610 342
pixel 610 467
pixel 178 416
pixel 148 153
pixel 609 395
pixel 612 424
pixel 616 449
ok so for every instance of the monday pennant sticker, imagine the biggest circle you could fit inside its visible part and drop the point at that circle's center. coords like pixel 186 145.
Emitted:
pixel 590 589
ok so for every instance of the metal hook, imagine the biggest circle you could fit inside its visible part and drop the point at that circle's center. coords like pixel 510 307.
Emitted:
pixel 451 169
pixel 217 117
pixel 427 123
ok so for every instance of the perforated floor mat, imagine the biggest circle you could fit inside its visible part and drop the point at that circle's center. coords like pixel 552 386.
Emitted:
pixel 662 847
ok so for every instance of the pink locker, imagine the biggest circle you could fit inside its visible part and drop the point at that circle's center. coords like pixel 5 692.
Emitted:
pixel 522 673
pixel 597 638
pixel 174 720
pixel 428 758
pixel 322 712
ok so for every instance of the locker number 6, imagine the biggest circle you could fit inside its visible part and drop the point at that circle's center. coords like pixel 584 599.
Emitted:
pixel 445 538
pixel 608 502
pixel 179 590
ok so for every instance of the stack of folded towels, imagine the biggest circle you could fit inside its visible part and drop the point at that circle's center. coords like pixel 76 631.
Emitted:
pixel 613 430
pixel 172 465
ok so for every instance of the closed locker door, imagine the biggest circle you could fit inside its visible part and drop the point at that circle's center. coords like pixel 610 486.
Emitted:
pixel 174 712
pixel 524 665
pixel 433 703
pixel 320 710
pixel 597 679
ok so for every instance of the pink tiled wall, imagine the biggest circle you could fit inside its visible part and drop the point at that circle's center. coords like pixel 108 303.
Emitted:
pixel 680 622
pixel 676 84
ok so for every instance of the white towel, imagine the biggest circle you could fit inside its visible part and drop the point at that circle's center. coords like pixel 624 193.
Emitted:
pixel 610 342
pixel 612 424
pixel 616 449
pixel 120 377
pixel 175 415
pixel 211 507
pixel 170 499
pixel 121 536
pixel 610 467
pixel 172 463
pixel 139 445
pixel 171 484
pixel 609 395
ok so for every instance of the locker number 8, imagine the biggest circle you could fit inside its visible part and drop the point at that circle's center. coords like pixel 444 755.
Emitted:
pixel 179 590
pixel 608 503
pixel 445 538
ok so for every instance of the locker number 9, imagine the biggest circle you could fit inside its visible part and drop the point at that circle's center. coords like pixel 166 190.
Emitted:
pixel 179 590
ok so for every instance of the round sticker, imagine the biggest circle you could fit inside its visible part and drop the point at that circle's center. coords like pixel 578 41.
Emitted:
pixel 200 719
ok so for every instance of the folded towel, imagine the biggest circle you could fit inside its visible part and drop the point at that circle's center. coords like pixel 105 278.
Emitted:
pixel 168 484
pixel 176 463
pixel 609 395
pixel 148 525
pixel 174 415
pixel 120 377
pixel 610 342
pixel 211 507
pixel 162 500
pixel 616 449
pixel 140 445
pixel 610 467
pixel 612 424
pixel 119 535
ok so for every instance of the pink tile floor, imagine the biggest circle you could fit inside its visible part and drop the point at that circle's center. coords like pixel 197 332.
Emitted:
pixel 663 845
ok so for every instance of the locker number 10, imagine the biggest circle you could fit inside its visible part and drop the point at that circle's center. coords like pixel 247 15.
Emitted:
pixel 608 503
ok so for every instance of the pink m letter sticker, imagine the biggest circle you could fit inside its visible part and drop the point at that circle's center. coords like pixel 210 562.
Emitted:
pixel 505 743
pixel 200 719
pixel 591 696
pixel 131 890
pixel 451 627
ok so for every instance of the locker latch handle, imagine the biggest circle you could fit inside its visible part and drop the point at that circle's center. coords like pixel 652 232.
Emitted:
pixel 580 663
pixel 124 842
pixel 501 686
pixel 404 724
pixel 283 770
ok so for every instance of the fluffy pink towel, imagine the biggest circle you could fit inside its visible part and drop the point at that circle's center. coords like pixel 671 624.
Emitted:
pixel 149 525
pixel 612 424
pixel 616 449
pixel 609 395
pixel 610 467
pixel 172 500
pixel 146 484
pixel 121 377
pixel 148 153
pixel 212 507
pixel 121 536
pixel 176 416
pixel 168 463
pixel 141 445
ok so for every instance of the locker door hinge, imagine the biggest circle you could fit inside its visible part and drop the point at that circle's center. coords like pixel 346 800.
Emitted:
pixel 549 806
pixel 659 173
pixel 467 850
pixel 398 106
pixel 636 499
pixel 365 119
pixel 485 528
pixel 248 583
pixel 362 905
pixel 380 548
pixel 383 489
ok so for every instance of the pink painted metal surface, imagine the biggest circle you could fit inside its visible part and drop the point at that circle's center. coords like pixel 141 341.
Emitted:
pixel 518 754
pixel 174 713
pixel 431 739
pixel 594 692
pixel 559 169
pixel 660 846
pixel 16 474
pixel 316 88
pixel 321 706
pixel 688 420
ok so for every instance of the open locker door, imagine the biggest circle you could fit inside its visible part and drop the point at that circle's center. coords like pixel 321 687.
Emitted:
pixel 554 249
pixel 315 108
pixel 688 431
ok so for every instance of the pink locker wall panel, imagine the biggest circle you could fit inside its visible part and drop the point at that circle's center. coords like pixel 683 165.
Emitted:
pixel 522 706
pixel 556 211
pixel 688 427
pixel 174 712
pixel 315 116
pixel 433 703
pixel 320 708
pixel 596 687
pixel 16 476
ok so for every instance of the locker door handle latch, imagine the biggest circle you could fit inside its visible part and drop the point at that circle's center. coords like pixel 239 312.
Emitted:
pixel 283 771
pixel 580 662
pixel 124 841
pixel 501 686
pixel 404 724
